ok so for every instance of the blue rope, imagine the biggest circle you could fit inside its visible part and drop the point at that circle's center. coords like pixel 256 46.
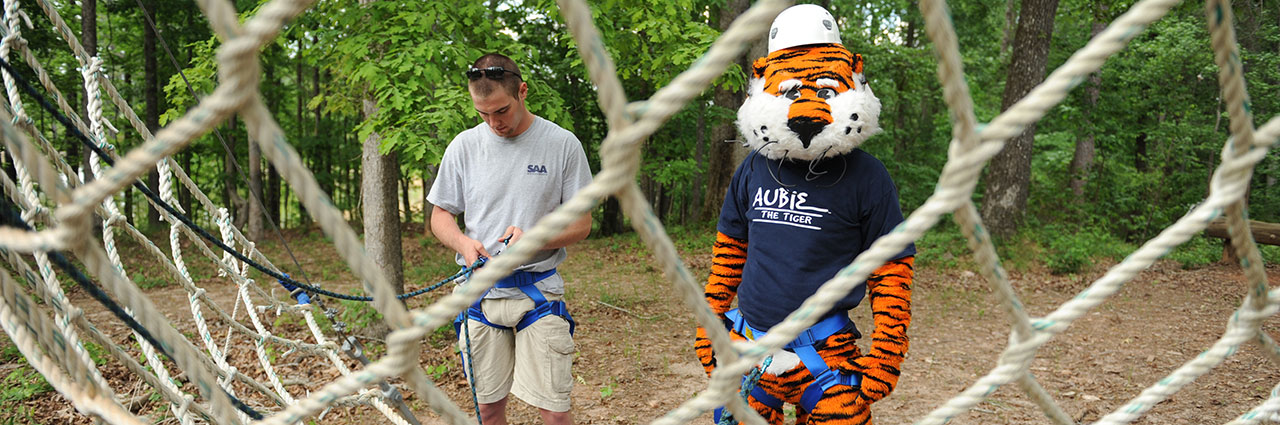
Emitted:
pixel 748 384
pixel 10 216
pixel 471 371
pixel 466 331
pixel 283 278
pixel 296 289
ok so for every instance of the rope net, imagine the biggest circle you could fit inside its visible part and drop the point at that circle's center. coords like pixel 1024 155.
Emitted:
pixel 53 343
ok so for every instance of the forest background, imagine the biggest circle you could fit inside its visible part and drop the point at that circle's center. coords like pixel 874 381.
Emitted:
pixel 371 93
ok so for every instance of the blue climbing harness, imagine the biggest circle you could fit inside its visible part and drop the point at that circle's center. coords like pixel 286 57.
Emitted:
pixel 802 346
pixel 541 307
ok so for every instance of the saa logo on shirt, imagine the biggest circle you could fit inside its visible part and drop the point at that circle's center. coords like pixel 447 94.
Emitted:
pixel 537 169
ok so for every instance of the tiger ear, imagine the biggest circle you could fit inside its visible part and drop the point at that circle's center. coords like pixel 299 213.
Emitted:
pixel 857 63
pixel 758 67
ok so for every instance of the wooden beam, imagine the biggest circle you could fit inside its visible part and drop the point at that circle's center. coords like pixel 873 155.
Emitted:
pixel 1263 232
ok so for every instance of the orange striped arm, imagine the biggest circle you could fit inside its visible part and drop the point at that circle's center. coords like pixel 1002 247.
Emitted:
pixel 729 254
pixel 889 289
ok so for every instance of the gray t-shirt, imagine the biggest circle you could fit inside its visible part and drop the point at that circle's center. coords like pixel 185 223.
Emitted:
pixel 499 182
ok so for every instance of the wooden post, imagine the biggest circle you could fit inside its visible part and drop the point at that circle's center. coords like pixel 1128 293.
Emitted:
pixel 1263 233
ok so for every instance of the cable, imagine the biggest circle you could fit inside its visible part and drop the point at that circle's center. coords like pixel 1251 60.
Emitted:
pixel 230 153
pixel 10 216
pixel 66 122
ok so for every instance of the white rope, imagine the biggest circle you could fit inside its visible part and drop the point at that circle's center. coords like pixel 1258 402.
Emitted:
pixel 167 194
pixel 224 227
pixel 98 134
pixel 18 317
pixel 629 124
pixel 94 334
pixel 52 293
pixel 28 195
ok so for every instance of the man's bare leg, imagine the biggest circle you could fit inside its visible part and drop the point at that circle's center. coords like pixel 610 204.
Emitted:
pixel 555 418
pixel 494 413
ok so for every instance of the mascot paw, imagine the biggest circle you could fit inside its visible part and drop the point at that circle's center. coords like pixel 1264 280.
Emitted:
pixel 878 378
pixel 702 345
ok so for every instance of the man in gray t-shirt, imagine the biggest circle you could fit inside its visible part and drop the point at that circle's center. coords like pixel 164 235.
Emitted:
pixel 505 174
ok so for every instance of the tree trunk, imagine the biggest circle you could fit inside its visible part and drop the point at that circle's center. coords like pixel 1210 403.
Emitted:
pixel 1140 153
pixel 151 94
pixel 326 177
pixel 720 164
pixel 271 193
pixel 353 189
pixel 315 91
pixel 378 196
pixel 184 194
pixel 235 204
pixel 428 180
pixel 693 201
pixel 1009 179
pixel 1082 160
pixel 901 147
pixel 255 192
pixel 273 196
pixel 89 39
pixel 304 218
pixel 404 198
pixel 1010 20
pixel 184 157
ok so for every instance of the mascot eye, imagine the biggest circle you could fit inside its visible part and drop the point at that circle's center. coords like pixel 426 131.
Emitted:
pixel 826 93
pixel 792 94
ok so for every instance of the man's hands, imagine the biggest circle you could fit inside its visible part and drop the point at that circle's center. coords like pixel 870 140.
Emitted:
pixel 445 227
pixel 512 235
pixel 472 250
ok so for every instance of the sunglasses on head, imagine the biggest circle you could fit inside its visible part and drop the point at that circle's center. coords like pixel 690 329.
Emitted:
pixel 492 73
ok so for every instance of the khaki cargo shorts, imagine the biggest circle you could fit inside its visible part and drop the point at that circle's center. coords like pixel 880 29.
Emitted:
pixel 534 364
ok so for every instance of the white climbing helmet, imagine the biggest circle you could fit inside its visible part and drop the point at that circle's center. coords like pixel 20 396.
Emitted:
pixel 803 24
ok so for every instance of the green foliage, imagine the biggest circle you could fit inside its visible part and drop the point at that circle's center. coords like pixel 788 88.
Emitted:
pixel 442 336
pixel 1198 252
pixel 147 281
pixel 10 354
pixel 1073 250
pixel 438 372
pixel 359 314
pixel 1270 254
pixel 1068 254
pixel 286 320
pixel 428 273
pixel 96 353
pixel 608 388
pixel 691 238
pixel 409 58
pixel 21 384
pixel 21 415
pixel 943 247
pixel 1158 123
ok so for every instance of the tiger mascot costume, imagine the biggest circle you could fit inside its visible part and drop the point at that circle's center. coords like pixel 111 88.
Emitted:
pixel 800 208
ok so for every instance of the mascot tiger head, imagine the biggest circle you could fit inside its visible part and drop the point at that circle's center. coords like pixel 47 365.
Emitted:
pixel 807 99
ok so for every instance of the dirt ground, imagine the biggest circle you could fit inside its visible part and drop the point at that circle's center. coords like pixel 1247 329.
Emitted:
pixel 635 359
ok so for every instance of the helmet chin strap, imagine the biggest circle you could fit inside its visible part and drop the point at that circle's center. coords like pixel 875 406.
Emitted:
pixel 812 173
pixel 815 174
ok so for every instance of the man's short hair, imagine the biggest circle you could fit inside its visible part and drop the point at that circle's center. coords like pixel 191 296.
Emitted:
pixel 510 80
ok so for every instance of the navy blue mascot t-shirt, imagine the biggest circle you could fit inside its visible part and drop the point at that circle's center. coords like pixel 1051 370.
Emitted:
pixel 803 222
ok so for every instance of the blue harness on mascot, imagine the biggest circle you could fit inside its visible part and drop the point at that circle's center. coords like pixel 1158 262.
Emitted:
pixel 824 377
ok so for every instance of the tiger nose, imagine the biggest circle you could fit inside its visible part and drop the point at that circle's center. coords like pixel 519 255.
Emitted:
pixel 806 128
